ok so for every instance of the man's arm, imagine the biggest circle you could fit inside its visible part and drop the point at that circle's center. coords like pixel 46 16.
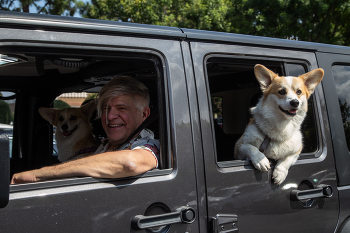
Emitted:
pixel 114 164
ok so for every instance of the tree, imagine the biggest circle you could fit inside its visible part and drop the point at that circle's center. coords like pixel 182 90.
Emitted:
pixel 5 113
pixel 199 14
pixel 60 104
pixel 60 7
pixel 9 5
pixel 324 21
pixel 315 21
pixel 91 96
pixel 216 104
pixel 53 7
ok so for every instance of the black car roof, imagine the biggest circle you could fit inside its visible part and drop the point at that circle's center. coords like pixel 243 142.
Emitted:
pixel 52 22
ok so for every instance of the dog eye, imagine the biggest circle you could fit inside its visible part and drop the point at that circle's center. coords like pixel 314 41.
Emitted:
pixel 60 118
pixel 282 92
pixel 72 118
pixel 298 92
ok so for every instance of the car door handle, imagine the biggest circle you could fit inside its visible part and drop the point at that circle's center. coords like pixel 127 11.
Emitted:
pixel 181 215
pixel 323 191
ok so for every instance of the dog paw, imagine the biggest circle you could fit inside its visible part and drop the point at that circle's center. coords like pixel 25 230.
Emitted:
pixel 279 175
pixel 261 164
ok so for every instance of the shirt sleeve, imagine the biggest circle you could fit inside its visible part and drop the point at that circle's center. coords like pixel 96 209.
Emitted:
pixel 152 145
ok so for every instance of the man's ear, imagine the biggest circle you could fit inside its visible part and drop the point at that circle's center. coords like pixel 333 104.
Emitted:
pixel 145 113
pixel 88 108
pixel 264 76
pixel 312 79
pixel 49 114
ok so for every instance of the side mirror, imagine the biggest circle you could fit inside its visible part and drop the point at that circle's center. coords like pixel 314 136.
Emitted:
pixel 4 170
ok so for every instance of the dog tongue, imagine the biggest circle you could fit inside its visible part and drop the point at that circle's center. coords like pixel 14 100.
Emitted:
pixel 293 111
pixel 66 133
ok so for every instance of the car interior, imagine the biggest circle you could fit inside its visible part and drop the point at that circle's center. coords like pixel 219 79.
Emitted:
pixel 38 76
pixel 234 90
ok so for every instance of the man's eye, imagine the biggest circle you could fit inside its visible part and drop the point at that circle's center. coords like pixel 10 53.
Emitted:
pixel 72 118
pixel 282 92
pixel 299 92
pixel 60 118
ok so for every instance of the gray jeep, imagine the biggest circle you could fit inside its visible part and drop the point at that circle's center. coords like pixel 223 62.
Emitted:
pixel 202 85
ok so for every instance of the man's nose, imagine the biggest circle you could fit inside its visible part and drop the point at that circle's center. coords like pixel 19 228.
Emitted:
pixel 113 113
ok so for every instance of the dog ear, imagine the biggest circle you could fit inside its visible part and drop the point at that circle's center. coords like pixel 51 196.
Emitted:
pixel 312 79
pixel 88 108
pixel 264 76
pixel 49 114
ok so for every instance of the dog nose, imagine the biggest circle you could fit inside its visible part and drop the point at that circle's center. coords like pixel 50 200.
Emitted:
pixel 64 127
pixel 294 103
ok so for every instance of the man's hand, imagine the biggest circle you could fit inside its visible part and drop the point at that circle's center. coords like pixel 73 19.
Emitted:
pixel 24 177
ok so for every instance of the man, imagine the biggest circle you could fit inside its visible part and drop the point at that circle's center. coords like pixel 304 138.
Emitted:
pixel 122 106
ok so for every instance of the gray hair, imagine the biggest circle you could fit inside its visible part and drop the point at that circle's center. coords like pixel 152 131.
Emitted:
pixel 121 85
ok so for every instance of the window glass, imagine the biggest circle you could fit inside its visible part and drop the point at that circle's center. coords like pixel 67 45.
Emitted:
pixel 341 76
pixel 234 90
pixel 308 128
pixel 7 109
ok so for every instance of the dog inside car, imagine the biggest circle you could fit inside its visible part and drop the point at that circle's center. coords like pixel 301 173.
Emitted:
pixel 274 131
pixel 73 130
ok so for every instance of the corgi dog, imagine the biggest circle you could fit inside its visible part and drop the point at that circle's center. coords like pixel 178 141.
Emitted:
pixel 274 131
pixel 73 130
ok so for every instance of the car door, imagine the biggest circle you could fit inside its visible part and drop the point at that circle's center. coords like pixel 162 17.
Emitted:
pixel 88 204
pixel 337 69
pixel 239 197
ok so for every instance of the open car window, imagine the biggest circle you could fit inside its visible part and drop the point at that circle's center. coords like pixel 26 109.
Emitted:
pixel 234 90
pixel 57 79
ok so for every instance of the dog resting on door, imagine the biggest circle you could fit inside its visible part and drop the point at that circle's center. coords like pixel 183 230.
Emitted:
pixel 73 130
pixel 274 131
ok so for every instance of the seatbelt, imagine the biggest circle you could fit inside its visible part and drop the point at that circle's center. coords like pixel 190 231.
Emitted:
pixel 149 120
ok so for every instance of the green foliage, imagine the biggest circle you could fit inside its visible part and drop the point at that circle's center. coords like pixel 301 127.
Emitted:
pixel 200 14
pixel 216 104
pixel 6 116
pixel 324 21
pixel 60 7
pixel 52 7
pixel 316 21
pixel 60 104
pixel 91 96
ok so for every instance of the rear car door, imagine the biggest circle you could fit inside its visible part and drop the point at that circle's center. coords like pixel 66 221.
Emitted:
pixel 336 65
pixel 239 197
pixel 88 204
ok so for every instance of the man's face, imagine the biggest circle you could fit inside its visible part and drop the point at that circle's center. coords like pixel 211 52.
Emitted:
pixel 123 118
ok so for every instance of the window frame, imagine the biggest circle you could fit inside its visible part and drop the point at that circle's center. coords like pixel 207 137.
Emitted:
pixel 164 118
